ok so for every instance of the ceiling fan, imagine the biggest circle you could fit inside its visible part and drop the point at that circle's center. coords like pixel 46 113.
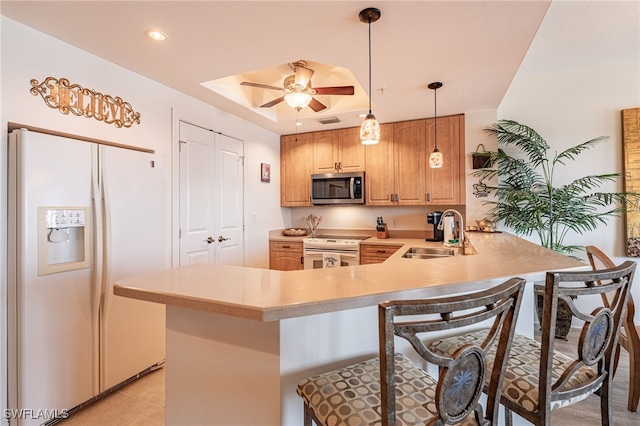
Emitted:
pixel 299 92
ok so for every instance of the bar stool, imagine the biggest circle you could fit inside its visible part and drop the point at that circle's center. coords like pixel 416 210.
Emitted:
pixel 392 390
pixel 629 338
pixel 539 379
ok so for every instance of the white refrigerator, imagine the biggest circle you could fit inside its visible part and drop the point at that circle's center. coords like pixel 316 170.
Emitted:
pixel 81 216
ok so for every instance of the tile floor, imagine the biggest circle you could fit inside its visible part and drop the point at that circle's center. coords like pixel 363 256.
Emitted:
pixel 142 403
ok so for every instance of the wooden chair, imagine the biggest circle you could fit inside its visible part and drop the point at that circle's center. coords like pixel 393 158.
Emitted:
pixel 392 390
pixel 539 379
pixel 629 338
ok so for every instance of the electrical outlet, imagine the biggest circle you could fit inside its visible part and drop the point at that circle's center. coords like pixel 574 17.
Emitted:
pixel 253 217
pixel 394 222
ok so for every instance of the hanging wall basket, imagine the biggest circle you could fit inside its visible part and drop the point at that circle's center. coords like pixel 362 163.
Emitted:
pixel 482 159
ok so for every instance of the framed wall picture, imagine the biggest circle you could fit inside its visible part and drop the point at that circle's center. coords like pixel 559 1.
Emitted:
pixel 265 172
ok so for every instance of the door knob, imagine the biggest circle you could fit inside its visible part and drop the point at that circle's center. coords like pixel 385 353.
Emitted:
pixel 209 240
pixel 221 238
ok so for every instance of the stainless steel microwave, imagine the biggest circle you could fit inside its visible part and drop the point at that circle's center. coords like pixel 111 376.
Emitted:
pixel 337 188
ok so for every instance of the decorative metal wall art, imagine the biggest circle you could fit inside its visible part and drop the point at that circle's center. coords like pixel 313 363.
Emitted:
pixel 73 98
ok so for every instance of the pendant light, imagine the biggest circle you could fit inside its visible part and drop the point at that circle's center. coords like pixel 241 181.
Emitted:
pixel 370 128
pixel 436 159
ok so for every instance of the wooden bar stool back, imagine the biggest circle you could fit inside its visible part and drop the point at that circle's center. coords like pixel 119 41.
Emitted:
pixel 629 338
pixel 392 390
pixel 539 379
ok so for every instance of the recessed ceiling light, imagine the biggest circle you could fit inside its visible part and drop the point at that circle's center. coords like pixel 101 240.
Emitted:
pixel 156 35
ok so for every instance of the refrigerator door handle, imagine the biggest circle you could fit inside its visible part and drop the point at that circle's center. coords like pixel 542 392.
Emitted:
pixel 96 278
pixel 106 245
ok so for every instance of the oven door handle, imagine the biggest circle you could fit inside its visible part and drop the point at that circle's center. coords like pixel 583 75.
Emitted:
pixel 349 254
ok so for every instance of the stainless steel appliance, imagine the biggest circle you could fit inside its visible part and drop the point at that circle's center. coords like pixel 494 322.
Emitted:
pixel 434 219
pixel 330 252
pixel 337 188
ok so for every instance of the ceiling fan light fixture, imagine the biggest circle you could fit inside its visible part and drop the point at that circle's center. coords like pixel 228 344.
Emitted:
pixel 298 100
pixel 370 127
pixel 370 130
pixel 436 159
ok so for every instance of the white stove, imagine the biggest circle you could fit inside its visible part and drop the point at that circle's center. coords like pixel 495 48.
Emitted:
pixel 331 251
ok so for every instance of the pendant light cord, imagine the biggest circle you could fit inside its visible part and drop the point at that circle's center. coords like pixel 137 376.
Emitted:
pixel 435 118
pixel 369 64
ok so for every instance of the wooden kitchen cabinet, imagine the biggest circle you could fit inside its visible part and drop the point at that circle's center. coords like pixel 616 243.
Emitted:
pixel 446 185
pixel 296 167
pixel 376 253
pixel 338 151
pixel 286 256
pixel 395 167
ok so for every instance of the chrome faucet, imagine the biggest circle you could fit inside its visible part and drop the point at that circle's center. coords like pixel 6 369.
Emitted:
pixel 460 224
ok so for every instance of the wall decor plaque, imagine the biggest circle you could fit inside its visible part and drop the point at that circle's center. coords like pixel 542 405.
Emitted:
pixel 631 139
pixel 68 98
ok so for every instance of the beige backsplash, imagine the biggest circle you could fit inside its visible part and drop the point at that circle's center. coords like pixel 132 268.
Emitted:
pixel 402 222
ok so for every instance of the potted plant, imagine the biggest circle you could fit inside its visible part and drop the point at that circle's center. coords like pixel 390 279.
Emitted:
pixel 526 198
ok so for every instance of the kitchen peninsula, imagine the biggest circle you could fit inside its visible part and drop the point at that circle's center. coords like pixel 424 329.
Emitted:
pixel 240 339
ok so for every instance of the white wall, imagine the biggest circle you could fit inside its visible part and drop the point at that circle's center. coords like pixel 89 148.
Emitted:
pixel 28 54
pixel 570 105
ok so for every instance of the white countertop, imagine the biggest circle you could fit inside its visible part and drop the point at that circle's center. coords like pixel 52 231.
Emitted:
pixel 268 295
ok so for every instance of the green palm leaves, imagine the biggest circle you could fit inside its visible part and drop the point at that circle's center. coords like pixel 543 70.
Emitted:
pixel 525 198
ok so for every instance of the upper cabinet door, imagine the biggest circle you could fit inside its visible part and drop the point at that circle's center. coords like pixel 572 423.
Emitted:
pixel 325 151
pixel 296 166
pixel 338 151
pixel 445 186
pixel 379 175
pixel 351 151
pixel 410 162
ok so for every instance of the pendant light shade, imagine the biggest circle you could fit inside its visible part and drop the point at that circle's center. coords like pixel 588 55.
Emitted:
pixel 370 128
pixel 436 159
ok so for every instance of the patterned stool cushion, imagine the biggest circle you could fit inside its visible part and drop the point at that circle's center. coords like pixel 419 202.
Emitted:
pixel 351 395
pixel 523 368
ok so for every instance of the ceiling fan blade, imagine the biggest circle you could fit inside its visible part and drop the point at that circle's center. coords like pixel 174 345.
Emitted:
pixel 273 102
pixel 316 105
pixel 263 86
pixel 335 90
pixel 303 76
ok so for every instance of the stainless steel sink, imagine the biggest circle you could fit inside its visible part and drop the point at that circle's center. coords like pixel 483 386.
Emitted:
pixel 429 252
